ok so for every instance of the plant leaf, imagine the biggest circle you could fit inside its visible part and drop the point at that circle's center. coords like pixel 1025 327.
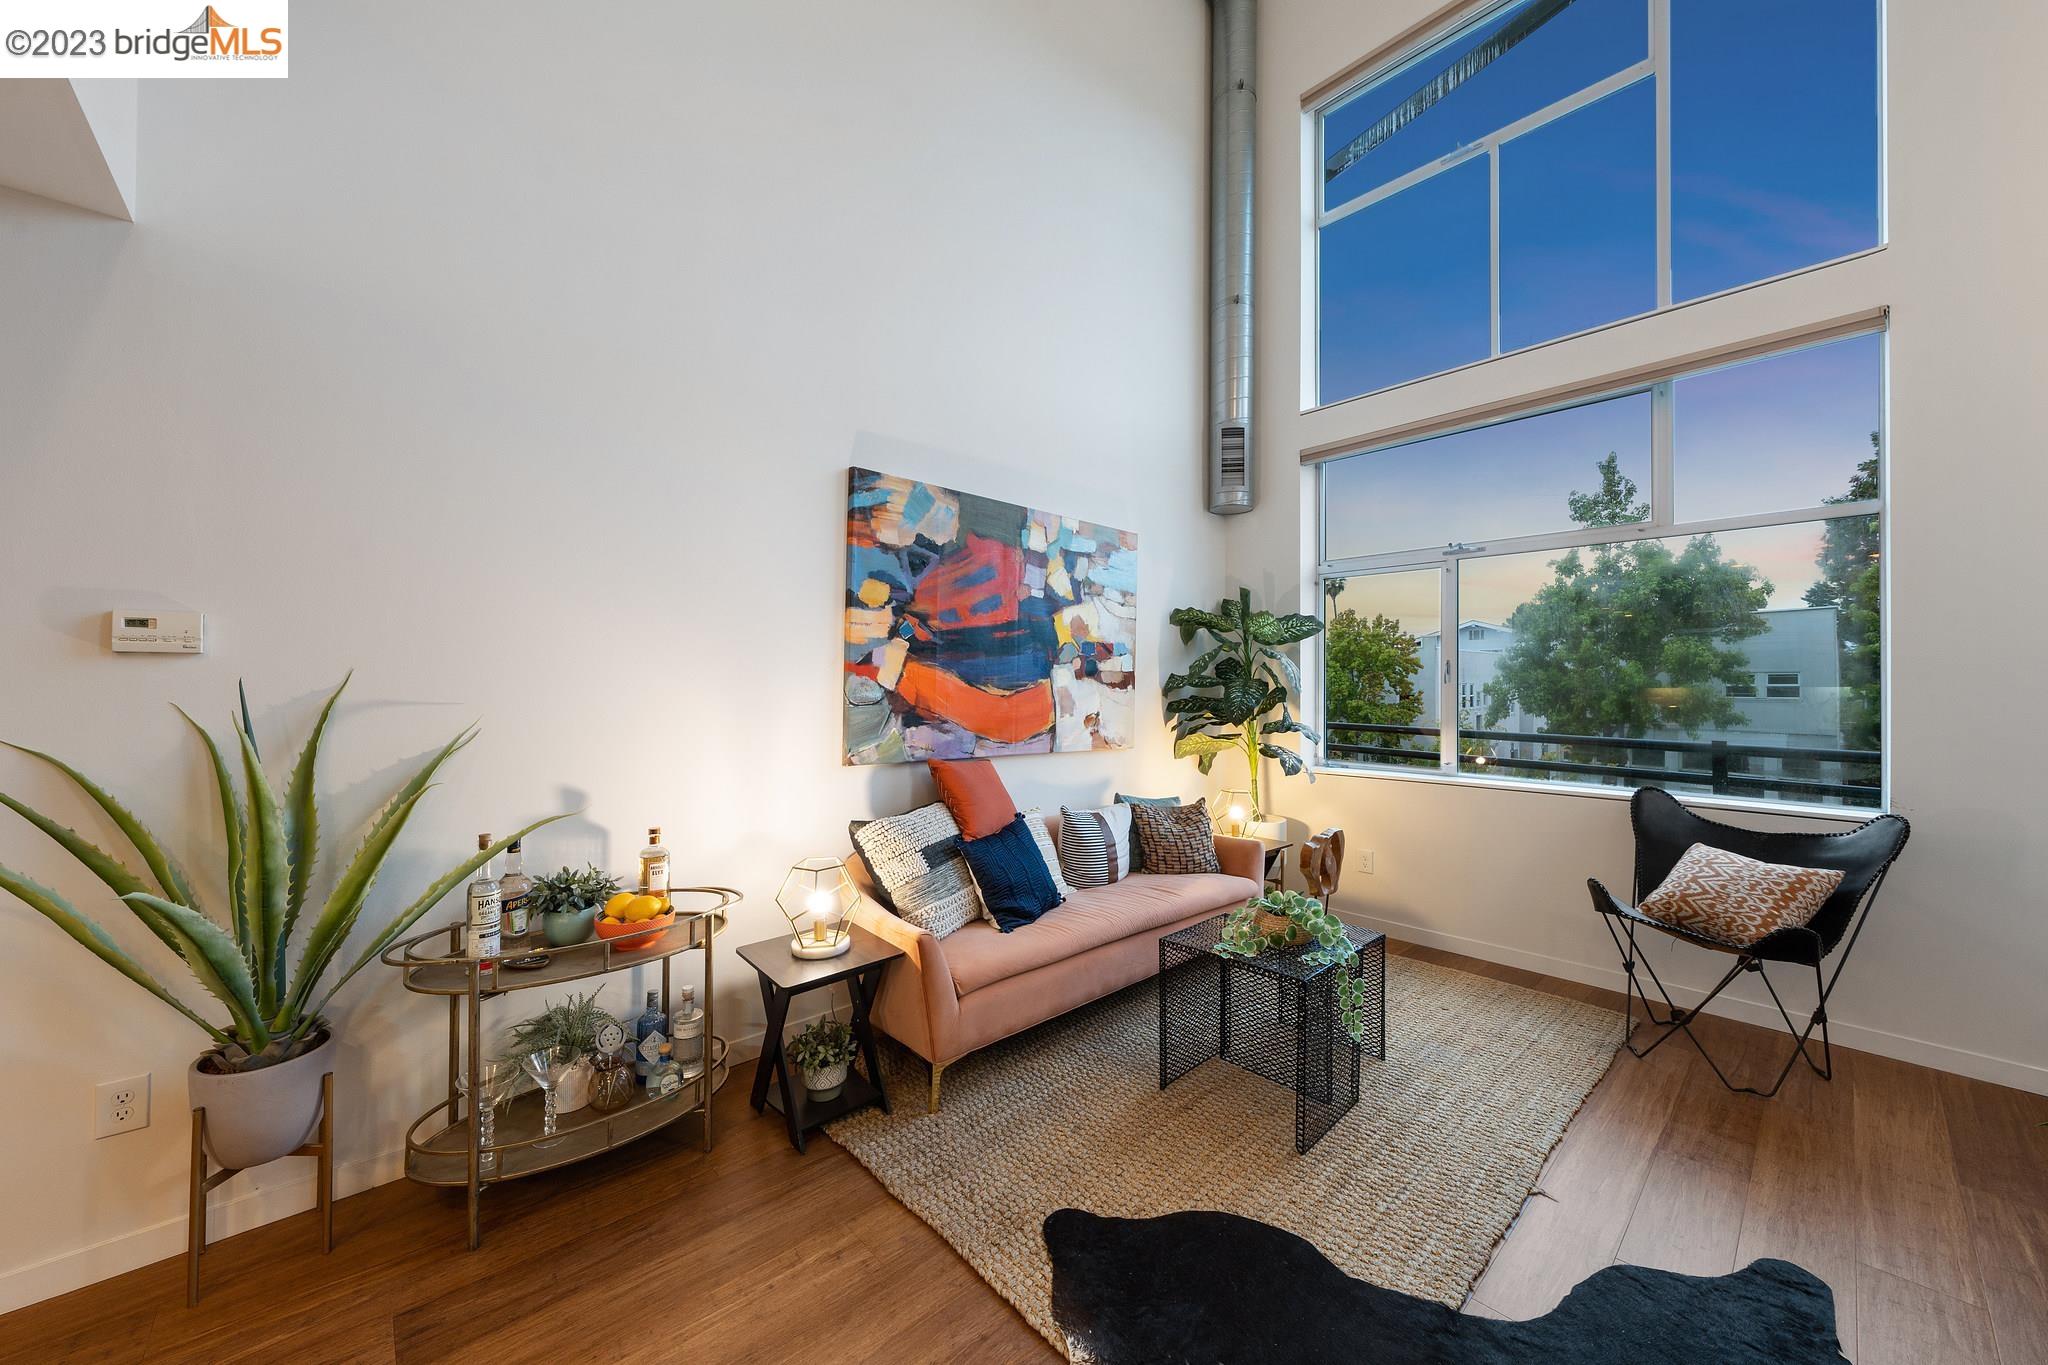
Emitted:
pixel 266 874
pixel 1289 670
pixel 1199 745
pixel 1192 619
pixel 1289 761
pixel 248 725
pixel 65 916
pixel 231 820
pixel 160 866
pixel 302 822
pixel 1285 630
pixel 344 903
pixel 428 899
pixel 216 960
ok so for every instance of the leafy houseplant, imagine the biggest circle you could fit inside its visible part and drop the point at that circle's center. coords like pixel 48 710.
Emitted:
pixel 1250 931
pixel 1230 692
pixel 822 1053
pixel 242 957
pixel 567 902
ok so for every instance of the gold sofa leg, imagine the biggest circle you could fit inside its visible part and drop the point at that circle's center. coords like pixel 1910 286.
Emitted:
pixel 938 1069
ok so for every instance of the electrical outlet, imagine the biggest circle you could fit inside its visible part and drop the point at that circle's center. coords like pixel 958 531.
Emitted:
pixel 1365 863
pixel 120 1106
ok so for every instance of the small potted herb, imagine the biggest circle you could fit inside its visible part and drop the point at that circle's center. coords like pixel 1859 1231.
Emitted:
pixel 571 1025
pixel 567 903
pixel 821 1055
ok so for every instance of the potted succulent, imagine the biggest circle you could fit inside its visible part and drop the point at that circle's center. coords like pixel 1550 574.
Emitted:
pixel 821 1055
pixel 1288 919
pixel 568 903
pixel 571 1025
pixel 265 950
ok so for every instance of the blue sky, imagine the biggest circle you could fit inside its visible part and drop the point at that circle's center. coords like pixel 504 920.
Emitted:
pixel 1774 167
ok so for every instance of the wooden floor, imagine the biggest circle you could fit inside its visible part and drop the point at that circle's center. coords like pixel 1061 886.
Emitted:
pixel 1922 1198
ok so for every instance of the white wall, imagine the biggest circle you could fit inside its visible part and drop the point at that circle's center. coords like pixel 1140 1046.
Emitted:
pixel 528 391
pixel 1950 970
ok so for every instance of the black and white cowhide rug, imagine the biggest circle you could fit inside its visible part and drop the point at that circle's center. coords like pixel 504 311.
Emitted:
pixel 1214 1287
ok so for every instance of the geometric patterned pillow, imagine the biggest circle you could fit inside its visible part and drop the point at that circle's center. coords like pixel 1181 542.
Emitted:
pixel 915 860
pixel 1736 899
pixel 1176 840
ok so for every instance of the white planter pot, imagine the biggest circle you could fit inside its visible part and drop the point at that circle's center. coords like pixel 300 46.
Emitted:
pixel 826 1082
pixel 573 1090
pixel 253 1117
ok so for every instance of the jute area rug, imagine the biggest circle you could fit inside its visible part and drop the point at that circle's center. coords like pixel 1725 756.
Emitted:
pixel 1411 1190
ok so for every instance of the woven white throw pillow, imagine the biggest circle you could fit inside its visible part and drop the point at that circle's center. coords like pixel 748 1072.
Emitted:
pixel 915 859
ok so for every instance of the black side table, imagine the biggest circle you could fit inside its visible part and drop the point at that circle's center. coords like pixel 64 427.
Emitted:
pixel 1274 1015
pixel 783 978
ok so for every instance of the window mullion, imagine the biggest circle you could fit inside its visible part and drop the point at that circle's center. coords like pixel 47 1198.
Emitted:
pixel 1493 241
pixel 1447 669
pixel 1663 459
pixel 1660 65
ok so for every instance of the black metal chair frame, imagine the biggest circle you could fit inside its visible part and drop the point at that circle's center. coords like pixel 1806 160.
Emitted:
pixel 1664 830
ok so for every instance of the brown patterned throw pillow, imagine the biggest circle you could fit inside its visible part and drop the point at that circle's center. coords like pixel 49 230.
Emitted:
pixel 1736 899
pixel 1175 840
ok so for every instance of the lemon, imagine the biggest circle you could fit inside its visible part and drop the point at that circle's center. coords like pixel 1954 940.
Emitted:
pixel 641 909
pixel 615 908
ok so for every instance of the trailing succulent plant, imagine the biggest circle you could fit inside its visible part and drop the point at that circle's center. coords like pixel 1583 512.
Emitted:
pixel 242 958
pixel 1243 936
pixel 573 1024
pixel 823 1043
pixel 1228 693
pixel 571 891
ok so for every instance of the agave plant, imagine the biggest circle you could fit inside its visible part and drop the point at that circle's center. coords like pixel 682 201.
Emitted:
pixel 1233 690
pixel 244 960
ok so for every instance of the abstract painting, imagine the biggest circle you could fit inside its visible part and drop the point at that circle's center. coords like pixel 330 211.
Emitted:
pixel 977 627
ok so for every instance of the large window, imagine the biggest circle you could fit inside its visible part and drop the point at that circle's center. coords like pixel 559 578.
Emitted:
pixel 1676 586
pixel 1556 165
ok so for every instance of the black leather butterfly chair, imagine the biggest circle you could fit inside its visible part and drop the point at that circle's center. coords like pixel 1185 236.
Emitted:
pixel 1664 831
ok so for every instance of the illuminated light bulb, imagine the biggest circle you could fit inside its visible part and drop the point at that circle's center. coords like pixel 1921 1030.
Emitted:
pixel 819 902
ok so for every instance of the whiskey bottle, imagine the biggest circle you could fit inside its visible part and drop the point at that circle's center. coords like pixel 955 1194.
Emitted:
pixel 654 866
pixel 485 901
pixel 514 887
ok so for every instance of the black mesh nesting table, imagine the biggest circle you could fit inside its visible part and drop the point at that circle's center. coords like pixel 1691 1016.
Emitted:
pixel 1274 1015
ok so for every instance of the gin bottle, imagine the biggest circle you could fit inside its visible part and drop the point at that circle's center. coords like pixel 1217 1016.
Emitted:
pixel 686 1032
pixel 514 887
pixel 666 1078
pixel 650 1035
pixel 485 902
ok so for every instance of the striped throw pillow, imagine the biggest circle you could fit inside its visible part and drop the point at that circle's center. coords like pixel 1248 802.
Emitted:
pixel 915 859
pixel 1176 840
pixel 1095 845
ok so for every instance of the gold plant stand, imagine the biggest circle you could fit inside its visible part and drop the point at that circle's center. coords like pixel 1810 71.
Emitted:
pixel 205 1181
pixel 451 1154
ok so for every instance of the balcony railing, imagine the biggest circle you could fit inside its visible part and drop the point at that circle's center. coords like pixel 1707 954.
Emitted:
pixel 1345 740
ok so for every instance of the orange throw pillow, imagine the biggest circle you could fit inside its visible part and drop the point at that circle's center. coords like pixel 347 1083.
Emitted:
pixel 975 796
pixel 1735 899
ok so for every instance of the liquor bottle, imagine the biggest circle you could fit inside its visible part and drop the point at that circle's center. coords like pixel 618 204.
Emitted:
pixel 485 898
pixel 650 1036
pixel 686 1031
pixel 666 1077
pixel 514 887
pixel 654 866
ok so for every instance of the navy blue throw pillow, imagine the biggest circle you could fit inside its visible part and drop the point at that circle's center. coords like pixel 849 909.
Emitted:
pixel 1010 873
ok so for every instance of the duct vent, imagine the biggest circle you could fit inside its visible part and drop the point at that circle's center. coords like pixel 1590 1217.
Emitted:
pixel 1228 484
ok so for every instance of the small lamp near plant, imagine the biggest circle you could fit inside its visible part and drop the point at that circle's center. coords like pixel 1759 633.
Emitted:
pixel 1232 811
pixel 817 898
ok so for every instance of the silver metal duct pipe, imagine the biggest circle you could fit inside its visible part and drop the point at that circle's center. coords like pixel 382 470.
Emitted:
pixel 1233 103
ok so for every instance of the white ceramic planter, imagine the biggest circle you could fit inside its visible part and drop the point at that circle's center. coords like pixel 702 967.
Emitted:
pixel 826 1082
pixel 253 1117
pixel 573 1090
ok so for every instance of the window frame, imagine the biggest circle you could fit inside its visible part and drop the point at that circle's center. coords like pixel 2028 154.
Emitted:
pixel 1662 524
pixel 1654 68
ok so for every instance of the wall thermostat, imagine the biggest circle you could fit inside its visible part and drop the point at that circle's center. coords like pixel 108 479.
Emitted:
pixel 158 632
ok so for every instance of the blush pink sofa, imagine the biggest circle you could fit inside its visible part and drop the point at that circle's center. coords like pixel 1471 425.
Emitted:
pixel 944 998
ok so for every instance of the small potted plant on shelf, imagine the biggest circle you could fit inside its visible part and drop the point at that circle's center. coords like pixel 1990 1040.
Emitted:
pixel 1288 919
pixel 821 1054
pixel 256 938
pixel 572 1026
pixel 568 903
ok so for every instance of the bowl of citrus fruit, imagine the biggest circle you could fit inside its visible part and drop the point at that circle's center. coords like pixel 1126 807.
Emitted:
pixel 633 920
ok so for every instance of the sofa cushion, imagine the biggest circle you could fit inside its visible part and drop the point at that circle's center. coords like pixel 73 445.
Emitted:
pixel 1095 845
pixel 1010 874
pixel 915 859
pixel 1041 834
pixel 980 956
pixel 1175 840
pixel 974 794
pixel 1137 850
